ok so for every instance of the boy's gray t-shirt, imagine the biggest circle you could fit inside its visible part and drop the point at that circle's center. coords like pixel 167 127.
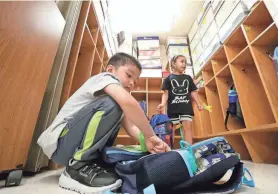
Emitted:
pixel 82 97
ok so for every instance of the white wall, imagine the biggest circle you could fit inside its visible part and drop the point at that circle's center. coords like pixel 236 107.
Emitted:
pixel 163 56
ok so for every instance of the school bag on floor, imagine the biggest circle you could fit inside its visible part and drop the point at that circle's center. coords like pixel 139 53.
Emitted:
pixel 163 128
pixel 234 107
pixel 177 171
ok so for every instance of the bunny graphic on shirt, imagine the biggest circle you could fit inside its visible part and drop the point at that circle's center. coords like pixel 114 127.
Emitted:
pixel 178 89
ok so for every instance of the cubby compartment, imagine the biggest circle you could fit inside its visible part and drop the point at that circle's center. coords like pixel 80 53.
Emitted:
pixel 207 72
pixel 204 117
pixel 93 24
pixel 122 132
pixel 139 96
pixel 102 68
pixel 84 62
pixel 261 48
pixel 252 96
pixel 100 40
pixel 141 85
pixel 100 49
pixel 239 146
pixel 262 146
pixel 224 82
pixel 197 126
pixel 154 99
pixel 235 44
pixel 154 84
pixel 124 140
pixel 216 116
pixel 211 82
pixel 105 57
pixel 258 20
pixel 96 69
pixel 201 90
pixel 219 61
pixel 74 54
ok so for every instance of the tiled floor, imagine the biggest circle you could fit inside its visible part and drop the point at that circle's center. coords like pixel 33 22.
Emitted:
pixel 266 180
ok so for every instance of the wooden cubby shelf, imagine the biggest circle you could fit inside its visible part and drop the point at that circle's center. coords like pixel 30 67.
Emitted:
pixel 139 96
pixel 260 49
pixel 201 90
pixel 258 20
pixel 207 72
pixel 211 82
pixel 141 85
pixel 250 90
pixel 235 44
pixel 154 99
pixel 101 49
pixel 244 62
pixel 224 82
pixel 219 61
pixel 154 84
pixel 93 24
pixel 216 116
pixel 96 64
pixel 201 122
pixel 105 58
pixel 224 72
pixel 84 61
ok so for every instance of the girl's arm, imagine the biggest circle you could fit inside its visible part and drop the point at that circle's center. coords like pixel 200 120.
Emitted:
pixel 164 97
pixel 164 101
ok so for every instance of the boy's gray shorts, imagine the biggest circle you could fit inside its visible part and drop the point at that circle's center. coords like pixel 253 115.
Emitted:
pixel 94 126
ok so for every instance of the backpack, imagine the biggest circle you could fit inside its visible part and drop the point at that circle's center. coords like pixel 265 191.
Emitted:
pixel 274 58
pixel 175 171
pixel 163 128
pixel 234 106
pixel 143 105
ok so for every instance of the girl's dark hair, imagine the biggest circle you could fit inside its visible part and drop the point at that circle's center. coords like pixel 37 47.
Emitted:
pixel 174 59
pixel 120 59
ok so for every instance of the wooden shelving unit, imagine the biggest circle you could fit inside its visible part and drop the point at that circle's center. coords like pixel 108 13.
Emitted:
pixel 244 60
pixel 148 90
pixel 87 54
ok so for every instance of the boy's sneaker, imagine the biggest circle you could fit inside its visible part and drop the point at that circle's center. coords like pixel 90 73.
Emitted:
pixel 87 178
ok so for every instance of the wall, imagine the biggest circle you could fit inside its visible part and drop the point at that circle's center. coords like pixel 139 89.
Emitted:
pixel 163 56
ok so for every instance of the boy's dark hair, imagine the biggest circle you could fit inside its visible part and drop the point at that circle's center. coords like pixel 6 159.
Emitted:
pixel 120 59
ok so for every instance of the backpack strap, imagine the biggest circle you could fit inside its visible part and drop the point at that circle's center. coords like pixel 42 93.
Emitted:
pixel 226 119
pixel 245 180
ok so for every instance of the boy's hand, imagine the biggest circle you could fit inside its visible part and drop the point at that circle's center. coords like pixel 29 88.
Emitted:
pixel 200 107
pixel 156 145
pixel 160 108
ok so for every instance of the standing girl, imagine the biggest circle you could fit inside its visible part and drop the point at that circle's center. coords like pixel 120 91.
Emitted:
pixel 179 92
